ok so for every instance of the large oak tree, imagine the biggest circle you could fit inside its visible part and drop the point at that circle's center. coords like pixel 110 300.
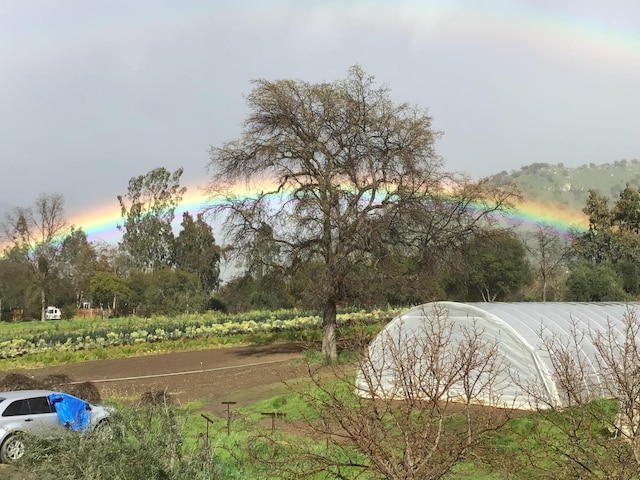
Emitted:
pixel 333 171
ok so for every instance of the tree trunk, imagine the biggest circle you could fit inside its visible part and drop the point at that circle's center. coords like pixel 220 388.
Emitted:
pixel 43 306
pixel 329 348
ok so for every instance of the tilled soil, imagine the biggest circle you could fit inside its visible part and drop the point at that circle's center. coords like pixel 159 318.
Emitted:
pixel 210 376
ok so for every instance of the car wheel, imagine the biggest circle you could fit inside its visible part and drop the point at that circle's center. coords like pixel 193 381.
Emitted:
pixel 12 449
pixel 105 430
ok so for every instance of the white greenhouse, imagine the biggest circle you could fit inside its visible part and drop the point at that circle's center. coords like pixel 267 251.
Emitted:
pixel 414 353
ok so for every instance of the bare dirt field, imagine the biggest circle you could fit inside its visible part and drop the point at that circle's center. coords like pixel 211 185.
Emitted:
pixel 241 374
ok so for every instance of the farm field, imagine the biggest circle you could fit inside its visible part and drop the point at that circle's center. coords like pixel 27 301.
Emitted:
pixel 251 371
pixel 244 375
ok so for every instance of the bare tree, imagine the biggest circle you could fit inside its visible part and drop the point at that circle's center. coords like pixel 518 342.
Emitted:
pixel 618 358
pixel 415 411
pixel 34 235
pixel 591 429
pixel 550 251
pixel 332 171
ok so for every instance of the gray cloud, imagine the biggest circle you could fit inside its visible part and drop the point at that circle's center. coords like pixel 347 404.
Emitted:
pixel 93 93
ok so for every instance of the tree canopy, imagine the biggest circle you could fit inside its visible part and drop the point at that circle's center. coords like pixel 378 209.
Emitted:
pixel 612 244
pixel 196 251
pixel 495 267
pixel 148 209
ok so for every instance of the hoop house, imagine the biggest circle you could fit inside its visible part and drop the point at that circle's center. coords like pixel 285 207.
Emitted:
pixel 515 331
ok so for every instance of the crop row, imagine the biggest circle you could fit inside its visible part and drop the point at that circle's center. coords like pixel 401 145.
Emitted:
pixel 139 330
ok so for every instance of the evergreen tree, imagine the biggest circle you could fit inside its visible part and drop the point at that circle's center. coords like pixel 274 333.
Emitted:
pixel 196 251
pixel 148 210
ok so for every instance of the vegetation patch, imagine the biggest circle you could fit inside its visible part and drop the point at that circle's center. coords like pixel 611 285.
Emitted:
pixel 48 344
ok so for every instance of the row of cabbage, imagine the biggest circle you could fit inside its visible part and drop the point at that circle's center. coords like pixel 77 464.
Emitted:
pixel 136 330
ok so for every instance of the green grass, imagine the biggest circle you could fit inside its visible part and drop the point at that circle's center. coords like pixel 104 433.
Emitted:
pixel 290 404
pixel 242 453
pixel 315 357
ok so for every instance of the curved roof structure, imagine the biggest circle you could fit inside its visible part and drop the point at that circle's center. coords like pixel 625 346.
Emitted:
pixel 513 328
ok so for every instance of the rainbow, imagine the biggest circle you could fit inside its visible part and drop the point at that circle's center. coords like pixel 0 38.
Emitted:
pixel 530 214
pixel 550 30
pixel 101 225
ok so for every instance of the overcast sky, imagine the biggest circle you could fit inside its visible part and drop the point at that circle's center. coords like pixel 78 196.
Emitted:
pixel 93 92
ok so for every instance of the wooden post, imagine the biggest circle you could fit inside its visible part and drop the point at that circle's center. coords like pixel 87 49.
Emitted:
pixel 206 440
pixel 273 416
pixel 228 404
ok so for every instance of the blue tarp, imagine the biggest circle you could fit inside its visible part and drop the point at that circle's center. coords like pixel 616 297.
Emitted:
pixel 72 412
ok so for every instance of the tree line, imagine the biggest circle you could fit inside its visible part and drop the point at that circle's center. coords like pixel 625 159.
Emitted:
pixel 348 202
pixel 152 270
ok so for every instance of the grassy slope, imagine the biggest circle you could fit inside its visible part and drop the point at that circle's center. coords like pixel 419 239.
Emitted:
pixel 570 186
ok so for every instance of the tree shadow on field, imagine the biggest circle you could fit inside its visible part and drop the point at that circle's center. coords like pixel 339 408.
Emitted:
pixel 273 349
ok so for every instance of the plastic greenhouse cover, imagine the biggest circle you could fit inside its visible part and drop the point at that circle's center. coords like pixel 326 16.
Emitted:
pixel 516 326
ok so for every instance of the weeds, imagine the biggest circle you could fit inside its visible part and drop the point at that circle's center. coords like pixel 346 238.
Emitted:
pixel 148 444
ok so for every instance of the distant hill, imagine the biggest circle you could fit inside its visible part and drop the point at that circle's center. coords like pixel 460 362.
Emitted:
pixel 569 187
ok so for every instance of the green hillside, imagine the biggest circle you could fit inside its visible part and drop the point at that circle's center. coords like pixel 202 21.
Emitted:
pixel 570 187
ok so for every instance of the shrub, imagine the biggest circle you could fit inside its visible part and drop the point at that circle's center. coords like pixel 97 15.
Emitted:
pixel 156 398
pixel 142 449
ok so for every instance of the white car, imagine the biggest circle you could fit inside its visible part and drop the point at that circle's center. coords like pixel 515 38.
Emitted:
pixel 53 313
pixel 43 413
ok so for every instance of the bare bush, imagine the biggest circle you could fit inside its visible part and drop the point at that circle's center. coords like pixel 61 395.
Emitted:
pixel 413 414
pixel 618 358
pixel 580 432
pixel 156 398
